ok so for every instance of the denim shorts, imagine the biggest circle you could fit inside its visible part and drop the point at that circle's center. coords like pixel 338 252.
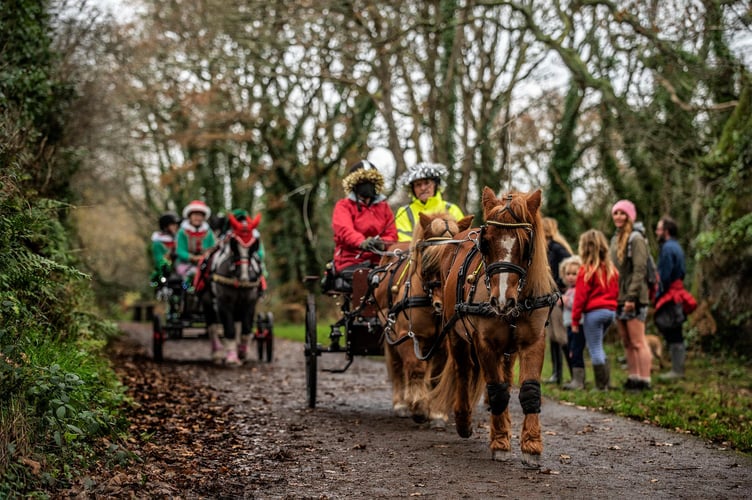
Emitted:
pixel 640 312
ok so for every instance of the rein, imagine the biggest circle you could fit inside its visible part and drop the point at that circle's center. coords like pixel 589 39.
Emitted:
pixel 409 302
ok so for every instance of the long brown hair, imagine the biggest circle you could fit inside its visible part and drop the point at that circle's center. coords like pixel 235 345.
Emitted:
pixel 593 250
pixel 551 231
pixel 623 239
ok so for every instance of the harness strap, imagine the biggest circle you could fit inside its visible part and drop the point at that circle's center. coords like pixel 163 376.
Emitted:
pixel 504 267
pixel 408 302
pixel 234 282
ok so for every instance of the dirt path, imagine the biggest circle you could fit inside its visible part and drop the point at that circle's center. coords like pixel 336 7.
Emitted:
pixel 246 433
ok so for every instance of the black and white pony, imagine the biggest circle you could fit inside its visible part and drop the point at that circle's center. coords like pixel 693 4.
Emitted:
pixel 236 276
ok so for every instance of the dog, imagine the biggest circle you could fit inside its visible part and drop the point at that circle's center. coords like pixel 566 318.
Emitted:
pixel 656 347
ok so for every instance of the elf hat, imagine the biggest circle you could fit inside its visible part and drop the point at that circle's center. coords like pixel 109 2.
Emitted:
pixel 196 206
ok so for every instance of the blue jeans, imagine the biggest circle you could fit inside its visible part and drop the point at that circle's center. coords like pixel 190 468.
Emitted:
pixel 576 348
pixel 595 324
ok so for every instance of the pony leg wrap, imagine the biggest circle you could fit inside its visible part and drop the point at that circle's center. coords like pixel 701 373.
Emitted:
pixel 498 397
pixel 530 397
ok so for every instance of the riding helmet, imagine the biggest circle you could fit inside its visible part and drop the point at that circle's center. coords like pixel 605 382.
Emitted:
pixel 168 218
pixel 434 171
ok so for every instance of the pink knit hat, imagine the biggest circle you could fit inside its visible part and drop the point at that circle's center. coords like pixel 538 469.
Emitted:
pixel 627 207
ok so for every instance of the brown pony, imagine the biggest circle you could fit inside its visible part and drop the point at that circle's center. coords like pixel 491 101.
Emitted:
pixel 404 295
pixel 498 293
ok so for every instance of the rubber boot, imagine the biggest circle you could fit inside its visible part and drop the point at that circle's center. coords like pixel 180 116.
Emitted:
pixel 556 377
pixel 578 380
pixel 678 354
pixel 602 376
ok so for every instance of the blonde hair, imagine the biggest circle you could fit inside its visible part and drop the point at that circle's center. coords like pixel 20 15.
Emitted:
pixel 551 232
pixel 594 252
pixel 571 261
pixel 623 239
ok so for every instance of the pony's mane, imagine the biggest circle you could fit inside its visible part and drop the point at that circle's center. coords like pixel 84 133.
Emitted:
pixel 539 281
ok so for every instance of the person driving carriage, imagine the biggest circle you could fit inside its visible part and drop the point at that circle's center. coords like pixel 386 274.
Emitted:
pixel 194 238
pixel 423 182
pixel 163 245
pixel 362 221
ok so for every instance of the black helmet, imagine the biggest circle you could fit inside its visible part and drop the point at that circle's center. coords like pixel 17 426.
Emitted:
pixel 166 219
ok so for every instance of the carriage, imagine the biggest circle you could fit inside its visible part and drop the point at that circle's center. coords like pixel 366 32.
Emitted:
pixel 222 295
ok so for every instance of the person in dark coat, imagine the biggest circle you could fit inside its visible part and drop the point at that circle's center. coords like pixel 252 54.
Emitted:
pixel 558 249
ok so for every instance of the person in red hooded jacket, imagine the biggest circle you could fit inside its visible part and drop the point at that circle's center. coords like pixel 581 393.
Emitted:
pixel 362 222
pixel 671 293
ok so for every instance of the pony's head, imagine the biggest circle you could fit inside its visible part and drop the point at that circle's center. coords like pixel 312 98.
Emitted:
pixel 243 242
pixel 242 229
pixel 433 228
pixel 514 247
pixel 430 232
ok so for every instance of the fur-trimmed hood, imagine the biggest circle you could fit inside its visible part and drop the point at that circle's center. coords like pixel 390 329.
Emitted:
pixel 366 173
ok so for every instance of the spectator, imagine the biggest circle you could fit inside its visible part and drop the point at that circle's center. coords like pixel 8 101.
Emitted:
pixel 595 301
pixel 558 250
pixel 671 269
pixel 629 252
pixel 568 270
pixel 423 181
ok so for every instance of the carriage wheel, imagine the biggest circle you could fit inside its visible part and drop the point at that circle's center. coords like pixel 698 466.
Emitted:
pixel 265 346
pixel 269 348
pixel 158 338
pixel 260 347
pixel 311 349
pixel 270 338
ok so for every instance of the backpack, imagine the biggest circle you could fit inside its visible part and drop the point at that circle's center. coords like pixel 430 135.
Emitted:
pixel 652 278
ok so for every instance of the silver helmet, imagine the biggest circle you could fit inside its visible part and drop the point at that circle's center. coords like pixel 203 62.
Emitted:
pixel 423 170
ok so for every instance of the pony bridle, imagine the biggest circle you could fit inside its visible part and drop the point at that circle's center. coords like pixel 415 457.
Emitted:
pixel 501 267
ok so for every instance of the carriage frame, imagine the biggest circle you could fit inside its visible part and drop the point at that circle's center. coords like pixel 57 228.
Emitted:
pixel 358 332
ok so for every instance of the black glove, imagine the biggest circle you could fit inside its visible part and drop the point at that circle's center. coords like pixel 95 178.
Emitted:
pixel 372 244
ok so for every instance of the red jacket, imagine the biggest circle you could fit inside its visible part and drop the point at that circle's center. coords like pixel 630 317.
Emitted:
pixel 591 294
pixel 352 223
pixel 678 294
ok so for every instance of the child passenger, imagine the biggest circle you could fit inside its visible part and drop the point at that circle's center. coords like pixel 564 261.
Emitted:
pixel 596 293
pixel 568 270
